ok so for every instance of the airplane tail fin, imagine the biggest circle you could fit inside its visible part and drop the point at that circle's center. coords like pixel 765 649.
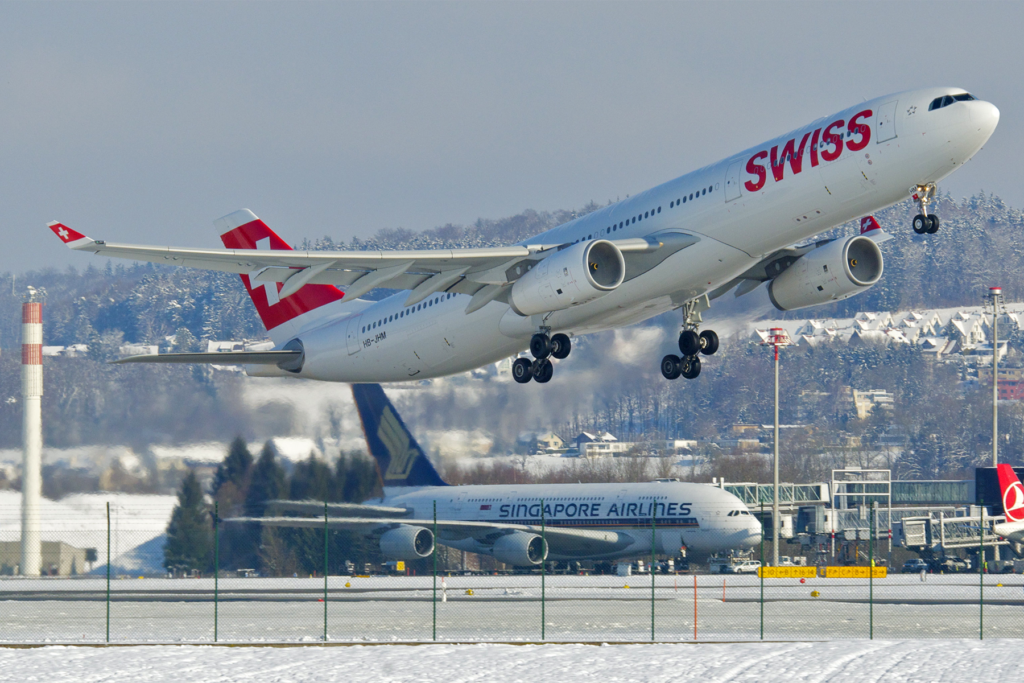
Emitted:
pixel 243 230
pixel 399 458
pixel 1013 493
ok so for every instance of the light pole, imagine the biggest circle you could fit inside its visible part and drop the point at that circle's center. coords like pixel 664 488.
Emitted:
pixel 995 295
pixel 776 337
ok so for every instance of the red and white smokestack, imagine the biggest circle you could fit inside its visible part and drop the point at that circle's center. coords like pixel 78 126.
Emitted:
pixel 32 434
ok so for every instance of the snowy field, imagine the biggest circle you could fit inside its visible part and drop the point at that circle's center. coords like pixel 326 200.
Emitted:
pixel 508 608
pixel 881 661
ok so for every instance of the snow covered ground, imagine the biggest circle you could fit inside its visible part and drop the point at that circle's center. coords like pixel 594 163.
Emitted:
pixel 507 608
pixel 957 661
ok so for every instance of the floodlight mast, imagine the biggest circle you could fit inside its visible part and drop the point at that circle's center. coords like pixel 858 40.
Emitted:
pixel 995 295
pixel 776 337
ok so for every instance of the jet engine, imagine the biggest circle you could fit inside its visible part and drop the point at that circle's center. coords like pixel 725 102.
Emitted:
pixel 832 272
pixel 572 276
pixel 407 543
pixel 520 549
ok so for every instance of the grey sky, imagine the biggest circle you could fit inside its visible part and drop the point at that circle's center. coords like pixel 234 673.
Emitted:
pixel 143 122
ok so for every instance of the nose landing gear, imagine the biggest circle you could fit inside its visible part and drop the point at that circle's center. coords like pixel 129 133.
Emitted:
pixel 541 347
pixel 924 222
pixel 691 344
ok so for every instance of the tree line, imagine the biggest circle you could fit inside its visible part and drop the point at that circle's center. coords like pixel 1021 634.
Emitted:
pixel 243 487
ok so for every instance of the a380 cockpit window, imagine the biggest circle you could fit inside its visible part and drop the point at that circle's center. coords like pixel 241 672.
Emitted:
pixel 946 100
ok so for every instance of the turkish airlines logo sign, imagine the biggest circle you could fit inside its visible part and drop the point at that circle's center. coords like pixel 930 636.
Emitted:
pixel 1013 502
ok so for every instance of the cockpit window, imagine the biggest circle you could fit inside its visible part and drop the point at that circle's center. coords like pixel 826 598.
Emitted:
pixel 946 100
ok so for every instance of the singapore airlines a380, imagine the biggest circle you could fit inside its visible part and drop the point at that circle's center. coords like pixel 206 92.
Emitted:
pixel 728 227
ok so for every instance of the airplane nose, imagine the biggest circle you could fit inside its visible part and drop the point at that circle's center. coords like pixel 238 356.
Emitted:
pixel 985 116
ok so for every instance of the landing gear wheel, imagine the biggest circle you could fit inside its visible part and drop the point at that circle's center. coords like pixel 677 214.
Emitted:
pixel 933 224
pixel 522 370
pixel 543 370
pixel 921 224
pixel 691 367
pixel 708 342
pixel 540 346
pixel 670 367
pixel 560 346
pixel 689 342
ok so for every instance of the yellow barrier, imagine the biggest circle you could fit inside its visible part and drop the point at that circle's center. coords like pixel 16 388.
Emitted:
pixel 787 572
pixel 854 572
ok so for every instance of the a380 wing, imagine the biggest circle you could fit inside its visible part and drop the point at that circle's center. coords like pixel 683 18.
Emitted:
pixel 465 271
pixel 561 541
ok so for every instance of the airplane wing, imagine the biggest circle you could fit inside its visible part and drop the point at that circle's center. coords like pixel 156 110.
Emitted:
pixel 219 358
pixel 312 507
pixel 484 271
pixel 561 541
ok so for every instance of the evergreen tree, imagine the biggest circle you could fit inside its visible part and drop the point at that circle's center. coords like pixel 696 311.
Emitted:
pixel 231 483
pixel 355 478
pixel 268 482
pixel 189 533
pixel 311 480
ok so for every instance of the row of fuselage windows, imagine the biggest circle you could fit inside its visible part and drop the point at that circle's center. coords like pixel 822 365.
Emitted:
pixel 408 311
pixel 653 212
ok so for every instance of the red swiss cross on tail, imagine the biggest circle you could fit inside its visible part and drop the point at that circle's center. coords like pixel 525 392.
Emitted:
pixel 243 230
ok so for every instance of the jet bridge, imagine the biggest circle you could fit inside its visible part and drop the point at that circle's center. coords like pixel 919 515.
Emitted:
pixel 939 532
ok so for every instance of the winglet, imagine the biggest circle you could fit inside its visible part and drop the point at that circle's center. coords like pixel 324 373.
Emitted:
pixel 870 228
pixel 72 238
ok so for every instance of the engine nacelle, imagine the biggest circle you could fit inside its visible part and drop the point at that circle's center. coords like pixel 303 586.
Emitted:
pixel 832 272
pixel 572 276
pixel 520 549
pixel 407 543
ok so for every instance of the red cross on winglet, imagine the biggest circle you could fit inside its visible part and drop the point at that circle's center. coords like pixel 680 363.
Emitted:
pixel 65 233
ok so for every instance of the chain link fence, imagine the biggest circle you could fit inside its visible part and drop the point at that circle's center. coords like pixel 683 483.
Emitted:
pixel 114 574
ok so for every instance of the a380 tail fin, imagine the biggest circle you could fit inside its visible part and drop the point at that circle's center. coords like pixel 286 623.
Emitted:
pixel 1013 493
pixel 243 230
pixel 400 459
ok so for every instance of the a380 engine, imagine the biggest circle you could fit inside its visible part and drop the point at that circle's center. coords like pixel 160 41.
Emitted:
pixel 572 276
pixel 832 272
pixel 407 543
pixel 520 549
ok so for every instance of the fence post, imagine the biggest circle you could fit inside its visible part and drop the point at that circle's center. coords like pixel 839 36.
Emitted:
pixel 761 570
pixel 871 573
pixel 325 570
pixel 654 507
pixel 216 567
pixel 543 561
pixel 981 575
pixel 434 600
pixel 109 560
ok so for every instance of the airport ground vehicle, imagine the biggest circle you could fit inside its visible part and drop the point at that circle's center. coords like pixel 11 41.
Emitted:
pixel 742 567
pixel 914 566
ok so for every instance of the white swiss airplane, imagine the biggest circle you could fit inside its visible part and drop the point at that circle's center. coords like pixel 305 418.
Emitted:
pixel 731 225
pixel 512 523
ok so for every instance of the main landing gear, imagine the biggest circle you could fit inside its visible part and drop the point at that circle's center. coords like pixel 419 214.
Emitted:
pixel 925 222
pixel 541 369
pixel 691 344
